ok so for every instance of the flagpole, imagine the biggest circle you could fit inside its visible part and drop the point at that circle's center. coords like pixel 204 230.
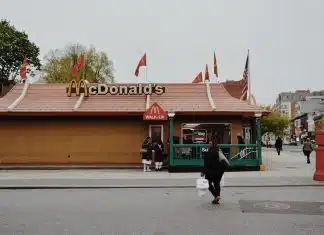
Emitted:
pixel 249 77
pixel 145 74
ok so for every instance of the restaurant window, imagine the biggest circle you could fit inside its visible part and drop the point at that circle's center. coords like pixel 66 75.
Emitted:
pixel 200 133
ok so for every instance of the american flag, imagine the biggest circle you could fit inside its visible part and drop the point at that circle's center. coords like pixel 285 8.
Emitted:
pixel 245 80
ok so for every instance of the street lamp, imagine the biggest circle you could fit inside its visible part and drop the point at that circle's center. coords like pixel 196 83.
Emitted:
pixel 258 115
pixel 171 114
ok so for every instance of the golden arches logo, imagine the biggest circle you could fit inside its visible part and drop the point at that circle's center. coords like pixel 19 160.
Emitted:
pixel 155 110
pixel 79 87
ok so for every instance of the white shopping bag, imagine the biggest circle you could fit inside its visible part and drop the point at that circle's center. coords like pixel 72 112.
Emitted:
pixel 202 186
pixel 202 183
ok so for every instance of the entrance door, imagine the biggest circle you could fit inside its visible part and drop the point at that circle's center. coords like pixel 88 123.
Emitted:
pixel 156 132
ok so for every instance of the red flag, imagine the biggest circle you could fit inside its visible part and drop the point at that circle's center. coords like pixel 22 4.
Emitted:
pixel 23 69
pixel 81 61
pixel 75 70
pixel 198 78
pixel 215 66
pixel 206 74
pixel 141 63
pixel 78 65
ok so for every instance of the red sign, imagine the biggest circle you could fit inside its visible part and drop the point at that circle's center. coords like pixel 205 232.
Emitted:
pixel 155 112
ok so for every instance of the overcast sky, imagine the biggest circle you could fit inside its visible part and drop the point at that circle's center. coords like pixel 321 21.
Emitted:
pixel 285 37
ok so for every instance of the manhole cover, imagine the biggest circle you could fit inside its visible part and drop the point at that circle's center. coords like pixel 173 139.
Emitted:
pixel 271 205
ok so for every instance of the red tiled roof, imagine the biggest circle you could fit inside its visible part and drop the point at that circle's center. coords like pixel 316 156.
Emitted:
pixel 224 102
pixel 185 97
pixel 10 97
pixel 234 88
pixel 179 97
pixel 46 98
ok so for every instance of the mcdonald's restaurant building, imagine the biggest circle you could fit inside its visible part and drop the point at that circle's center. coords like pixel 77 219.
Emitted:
pixel 105 124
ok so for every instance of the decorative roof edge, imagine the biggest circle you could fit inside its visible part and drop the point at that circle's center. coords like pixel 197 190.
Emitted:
pixel 209 95
pixel 20 98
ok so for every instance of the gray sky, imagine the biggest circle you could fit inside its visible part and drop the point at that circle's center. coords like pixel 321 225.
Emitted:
pixel 285 37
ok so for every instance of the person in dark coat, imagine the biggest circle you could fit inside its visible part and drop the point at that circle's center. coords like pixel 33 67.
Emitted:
pixel 307 149
pixel 147 154
pixel 278 145
pixel 213 169
pixel 159 154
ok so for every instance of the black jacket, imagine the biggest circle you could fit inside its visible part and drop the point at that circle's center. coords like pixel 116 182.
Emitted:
pixel 212 165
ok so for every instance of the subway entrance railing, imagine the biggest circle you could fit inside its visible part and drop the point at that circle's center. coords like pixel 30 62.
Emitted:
pixel 237 154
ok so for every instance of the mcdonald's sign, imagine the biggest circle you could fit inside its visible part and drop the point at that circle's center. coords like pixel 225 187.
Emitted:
pixel 83 86
pixel 155 112
pixel 78 88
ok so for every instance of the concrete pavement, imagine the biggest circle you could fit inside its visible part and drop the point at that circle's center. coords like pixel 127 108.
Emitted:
pixel 288 169
pixel 244 211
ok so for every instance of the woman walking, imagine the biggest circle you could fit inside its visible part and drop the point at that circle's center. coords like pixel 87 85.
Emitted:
pixel 214 168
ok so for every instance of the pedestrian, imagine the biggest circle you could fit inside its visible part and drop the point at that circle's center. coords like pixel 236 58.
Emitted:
pixel 159 154
pixel 214 168
pixel 278 145
pixel 146 152
pixel 307 149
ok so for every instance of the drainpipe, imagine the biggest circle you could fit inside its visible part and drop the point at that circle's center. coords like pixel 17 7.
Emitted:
pixel 210 98
pixel 80 100
pixel 20 98
pixel 147 103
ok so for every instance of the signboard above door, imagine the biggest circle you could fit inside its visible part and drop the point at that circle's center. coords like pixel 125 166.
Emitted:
pixel 155 112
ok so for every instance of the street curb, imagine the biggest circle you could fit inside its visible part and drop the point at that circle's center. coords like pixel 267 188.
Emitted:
pixel 150 186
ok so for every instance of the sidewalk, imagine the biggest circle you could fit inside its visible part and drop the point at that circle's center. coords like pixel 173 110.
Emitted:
pixel 288 169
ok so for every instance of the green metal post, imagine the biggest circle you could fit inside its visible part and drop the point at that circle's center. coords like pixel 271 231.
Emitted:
pixel 259 139
pixel 171 148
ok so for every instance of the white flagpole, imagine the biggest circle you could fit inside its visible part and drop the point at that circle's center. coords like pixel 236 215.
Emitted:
pixel 146 73
pixel 249 77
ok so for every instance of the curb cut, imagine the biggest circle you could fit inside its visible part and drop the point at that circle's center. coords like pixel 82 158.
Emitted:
pixel 12 187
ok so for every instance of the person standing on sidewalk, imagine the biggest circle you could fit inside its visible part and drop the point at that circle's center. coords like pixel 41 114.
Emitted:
pixel 159 154
pixel 147 154
pixel 278 145
pixel 307 149
pixel 213 169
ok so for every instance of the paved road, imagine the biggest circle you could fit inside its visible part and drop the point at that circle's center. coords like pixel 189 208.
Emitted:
pixel 161 212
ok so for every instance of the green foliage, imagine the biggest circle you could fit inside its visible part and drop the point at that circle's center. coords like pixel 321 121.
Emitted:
pixel 14 45
pixel 59 64
pixel 275 123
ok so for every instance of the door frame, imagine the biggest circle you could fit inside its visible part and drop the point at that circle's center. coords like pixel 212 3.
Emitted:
pixel 157 125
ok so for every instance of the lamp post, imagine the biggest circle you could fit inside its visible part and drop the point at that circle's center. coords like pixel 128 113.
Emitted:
pixel 171 115
pixel 258 115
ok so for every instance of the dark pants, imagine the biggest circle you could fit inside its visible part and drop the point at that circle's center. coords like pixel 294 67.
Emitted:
pixel 278 150
pixel 214 183
pixel 307 154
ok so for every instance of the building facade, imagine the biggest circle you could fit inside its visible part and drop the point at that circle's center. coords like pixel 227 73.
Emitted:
pixel 107 124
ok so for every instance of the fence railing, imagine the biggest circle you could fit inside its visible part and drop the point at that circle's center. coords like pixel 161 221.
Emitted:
pixel 192 154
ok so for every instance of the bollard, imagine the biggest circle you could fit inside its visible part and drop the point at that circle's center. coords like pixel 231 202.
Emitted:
pixel 319 162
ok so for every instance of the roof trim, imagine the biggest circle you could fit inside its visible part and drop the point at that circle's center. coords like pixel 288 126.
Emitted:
pixel 80 100
pixel 121 114
pixel 147 102
pixel 209 95
pixel 20 98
